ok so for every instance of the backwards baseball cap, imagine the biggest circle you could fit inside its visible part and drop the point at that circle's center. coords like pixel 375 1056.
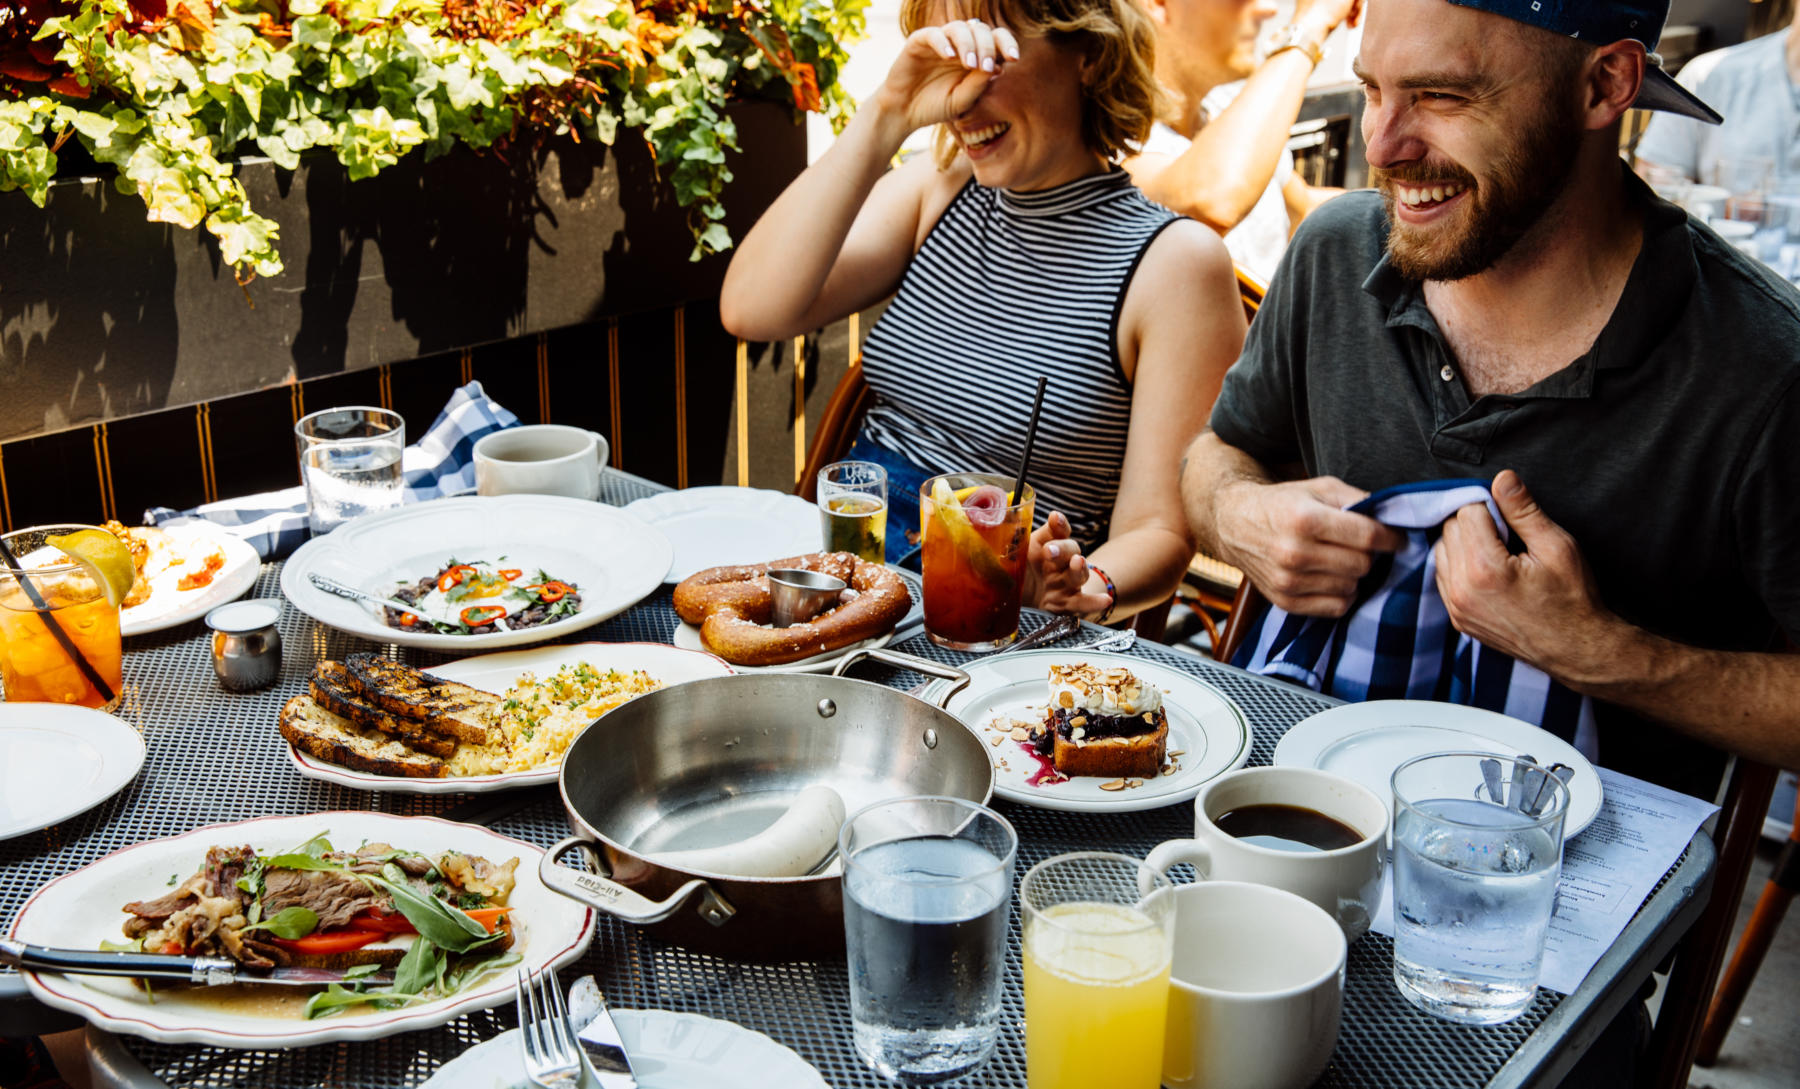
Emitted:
pixel 1603 22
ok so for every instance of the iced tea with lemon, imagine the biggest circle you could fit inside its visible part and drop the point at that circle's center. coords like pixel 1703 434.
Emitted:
pixel 34 663
pixel 976 539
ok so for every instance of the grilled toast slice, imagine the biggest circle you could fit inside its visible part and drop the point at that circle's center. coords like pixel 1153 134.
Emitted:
pixel 443 707
pixel 332 687
pixel 311 728
pixel 1139 755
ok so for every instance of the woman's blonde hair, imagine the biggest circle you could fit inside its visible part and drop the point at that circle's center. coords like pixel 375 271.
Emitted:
pixel 1121 96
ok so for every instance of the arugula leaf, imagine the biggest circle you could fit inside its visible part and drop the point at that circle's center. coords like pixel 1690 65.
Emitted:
pixel 435 920
pixel 290 923
pixel 423 963
pixel 361 970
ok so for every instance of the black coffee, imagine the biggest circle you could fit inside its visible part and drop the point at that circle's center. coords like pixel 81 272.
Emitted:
pixel 1287 828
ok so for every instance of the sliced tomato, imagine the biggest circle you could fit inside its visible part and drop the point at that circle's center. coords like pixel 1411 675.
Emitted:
pixel 174 948
pixel 454 576
pixel 510 574
pixel 391 923
pixel 338 941
pixel 477 615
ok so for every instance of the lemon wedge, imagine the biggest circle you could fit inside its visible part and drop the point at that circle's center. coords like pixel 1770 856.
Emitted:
pixel 106 558
pixel 968 541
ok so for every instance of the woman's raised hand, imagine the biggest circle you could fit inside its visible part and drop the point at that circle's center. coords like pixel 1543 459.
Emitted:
pixel 943 70
pixel 1057 571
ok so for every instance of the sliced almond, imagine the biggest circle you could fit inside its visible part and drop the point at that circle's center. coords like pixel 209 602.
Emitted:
pixel 1077 734
pixel 996 739
pixel 1078 720
pixel 1173 753
pixel 1134 782
pixel 1148 717
pixel 1065 700
pixel 1116 784
pixel 1019 733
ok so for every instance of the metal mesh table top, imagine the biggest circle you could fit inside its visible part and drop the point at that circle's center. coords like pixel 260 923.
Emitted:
pixel 215 757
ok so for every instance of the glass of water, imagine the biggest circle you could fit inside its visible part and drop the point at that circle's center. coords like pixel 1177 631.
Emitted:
pixel 927 885
pixel 1477 854
pixel 350 463
pixel 853 508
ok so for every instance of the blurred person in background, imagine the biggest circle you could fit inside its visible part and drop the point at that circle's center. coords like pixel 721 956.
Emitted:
pixel 1019 250
pixel 1756 86
pixel 1219 151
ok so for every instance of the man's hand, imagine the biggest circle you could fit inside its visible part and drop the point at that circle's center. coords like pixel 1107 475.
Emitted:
pixel 1541 606
pixel 1057 571
pixel 1297 544
pixel 1325 16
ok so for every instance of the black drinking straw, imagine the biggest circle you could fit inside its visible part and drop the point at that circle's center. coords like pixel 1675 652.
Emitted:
pixel 1037 406
pixel 107 695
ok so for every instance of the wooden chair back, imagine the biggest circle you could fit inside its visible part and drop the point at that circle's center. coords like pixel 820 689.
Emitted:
pixel 837 428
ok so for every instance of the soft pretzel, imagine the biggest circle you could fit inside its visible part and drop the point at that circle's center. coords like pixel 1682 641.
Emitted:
pixel 731 607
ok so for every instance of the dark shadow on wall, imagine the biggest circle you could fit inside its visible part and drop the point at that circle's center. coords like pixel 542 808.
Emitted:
pixel 446 243
pixel 88 327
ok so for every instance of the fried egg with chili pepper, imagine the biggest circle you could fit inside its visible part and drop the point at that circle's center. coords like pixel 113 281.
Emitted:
pixel 465 596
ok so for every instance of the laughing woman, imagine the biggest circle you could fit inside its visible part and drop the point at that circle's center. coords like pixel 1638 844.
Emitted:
pixel 1020 249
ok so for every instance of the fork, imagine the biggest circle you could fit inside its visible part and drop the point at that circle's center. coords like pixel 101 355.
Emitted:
pixel 546 1040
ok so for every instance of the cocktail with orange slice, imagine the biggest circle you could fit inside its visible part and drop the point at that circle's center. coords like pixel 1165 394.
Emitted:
pixel 59 616
pixel 976 537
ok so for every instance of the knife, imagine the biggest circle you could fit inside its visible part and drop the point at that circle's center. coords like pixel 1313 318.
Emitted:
pixel 212 971
pixel 600 1039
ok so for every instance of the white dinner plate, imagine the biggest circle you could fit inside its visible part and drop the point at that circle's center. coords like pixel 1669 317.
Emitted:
pixel 496 673
pixel 57 760
pixel 687 637
pixel 81 909
pixel 1367 741
pixel 610 556
pixel 712 527
pixel 667 1050
pixel 1206 726
pixel 169 605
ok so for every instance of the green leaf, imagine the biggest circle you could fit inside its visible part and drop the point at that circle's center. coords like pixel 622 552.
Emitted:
pixel 290 923
pixel 419 968
pixel 435 920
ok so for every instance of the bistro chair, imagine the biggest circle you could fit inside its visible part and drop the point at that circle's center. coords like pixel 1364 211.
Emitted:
pixel 851 399
pixel 1783 885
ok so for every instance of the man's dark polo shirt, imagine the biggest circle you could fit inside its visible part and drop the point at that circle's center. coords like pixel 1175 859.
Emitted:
pixel 1670 451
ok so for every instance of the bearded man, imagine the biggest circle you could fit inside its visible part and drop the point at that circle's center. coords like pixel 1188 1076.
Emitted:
pixel 1512 305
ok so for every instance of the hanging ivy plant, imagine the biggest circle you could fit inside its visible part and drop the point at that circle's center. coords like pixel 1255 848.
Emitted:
pixel 171 91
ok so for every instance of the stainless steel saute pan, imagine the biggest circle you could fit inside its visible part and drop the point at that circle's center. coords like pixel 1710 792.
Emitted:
pixel 715 761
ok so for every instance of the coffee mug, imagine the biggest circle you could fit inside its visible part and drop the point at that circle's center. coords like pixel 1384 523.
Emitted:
pixel 1343 880
pixel 1256 988
pixel 540 459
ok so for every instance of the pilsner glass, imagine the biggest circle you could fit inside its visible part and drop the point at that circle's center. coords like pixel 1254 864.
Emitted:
pixel 972 562
pixel 35 664
pixel 853 508
pixel 1099 934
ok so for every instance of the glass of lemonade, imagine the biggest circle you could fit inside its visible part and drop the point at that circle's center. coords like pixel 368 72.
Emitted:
pixel 976 539
pixel 927 882
pixel 350 462
pixel 853 508
pixel 1477 854
pixel 35 664
pixel 1099 934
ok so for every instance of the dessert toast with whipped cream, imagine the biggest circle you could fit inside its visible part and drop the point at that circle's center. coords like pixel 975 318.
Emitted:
pixel 1103 721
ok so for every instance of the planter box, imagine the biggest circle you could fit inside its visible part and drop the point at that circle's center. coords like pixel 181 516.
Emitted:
pixel 104 315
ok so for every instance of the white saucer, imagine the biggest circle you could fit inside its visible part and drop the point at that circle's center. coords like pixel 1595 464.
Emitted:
pixel 713 527
pixel 687 637
pixel 1367 741
pixel 57 760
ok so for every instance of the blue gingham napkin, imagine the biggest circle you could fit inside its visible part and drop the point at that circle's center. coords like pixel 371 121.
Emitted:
pixel 441 463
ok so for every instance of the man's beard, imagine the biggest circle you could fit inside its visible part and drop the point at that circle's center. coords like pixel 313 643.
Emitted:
pixel 1525 180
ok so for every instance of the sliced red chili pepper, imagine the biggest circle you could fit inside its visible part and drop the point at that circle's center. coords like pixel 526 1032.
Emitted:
pixel 477 615
pixel 510 573
pixel 552 590
pixel 407 620
pixel 172 948
pixel 454 576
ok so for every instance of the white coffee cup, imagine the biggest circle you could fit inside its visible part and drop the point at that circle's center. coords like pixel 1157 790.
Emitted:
pixel 1344 881
pixel 540 459
pixel 1256 988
